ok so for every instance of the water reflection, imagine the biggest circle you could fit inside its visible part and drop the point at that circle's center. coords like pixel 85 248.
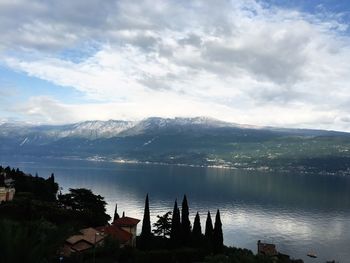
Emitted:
pixel 297 212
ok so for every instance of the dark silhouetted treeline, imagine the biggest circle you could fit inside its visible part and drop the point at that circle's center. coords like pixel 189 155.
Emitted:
pixel 177 232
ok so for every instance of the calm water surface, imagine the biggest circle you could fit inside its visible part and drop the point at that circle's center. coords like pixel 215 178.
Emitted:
pixel 300 213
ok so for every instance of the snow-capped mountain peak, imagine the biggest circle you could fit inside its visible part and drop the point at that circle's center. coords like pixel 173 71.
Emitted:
pixel 112 128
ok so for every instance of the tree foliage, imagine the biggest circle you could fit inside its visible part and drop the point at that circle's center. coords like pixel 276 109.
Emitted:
pixel 208 227
pixel 116 215
pixel 146 223
pixel 163 225
pixel 218 240
pixel 197 231
pixel 185 222
pixel 32 241
pixel 209 231
pixel 175 234
pixel 41 189
pixel 84 202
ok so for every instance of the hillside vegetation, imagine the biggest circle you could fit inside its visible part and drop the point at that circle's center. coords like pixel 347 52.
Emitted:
pixel 189 141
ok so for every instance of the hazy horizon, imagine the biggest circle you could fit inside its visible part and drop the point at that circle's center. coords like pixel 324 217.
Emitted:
pixel 264 63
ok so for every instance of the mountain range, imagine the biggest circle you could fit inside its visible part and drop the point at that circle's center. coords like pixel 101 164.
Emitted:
pixel 199 141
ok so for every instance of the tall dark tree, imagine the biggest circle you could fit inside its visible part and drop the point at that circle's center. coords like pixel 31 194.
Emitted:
pixel 116 215
pixel 208 227
pixel 52 185
pixel 197 231
pixel 51 179
pixel 218 240
pixel 175 234
pixel 185 222
pixel 209 231
pixel 163 225
pixel 146 223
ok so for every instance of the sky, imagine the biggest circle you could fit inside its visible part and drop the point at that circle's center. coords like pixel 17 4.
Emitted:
pixel 272 63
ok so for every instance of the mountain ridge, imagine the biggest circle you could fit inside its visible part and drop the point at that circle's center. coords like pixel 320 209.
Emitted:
pixel 95 129
pixel 191 141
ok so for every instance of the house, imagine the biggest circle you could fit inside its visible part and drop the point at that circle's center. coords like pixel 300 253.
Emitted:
pixel 129 225
pixel 125 238
pixel 124 229
pixel 7 194
pixel 87 238
pixel 267 249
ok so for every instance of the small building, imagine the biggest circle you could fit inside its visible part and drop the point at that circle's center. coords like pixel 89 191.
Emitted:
pixel 124 238
pixel 267 249
pixel 87 238
pixel 123 229
pixel 127 225
pixel 6 194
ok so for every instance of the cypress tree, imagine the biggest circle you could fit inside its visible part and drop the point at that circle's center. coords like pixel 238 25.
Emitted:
pixel 197 231
pixel 173 221
pixel 52 187
pixel 209 231
pixel 185 222
pixel 52 178
pixel 116 215
pixel 209 227
pixel 175 233
pixel 146 223
pixel 179 227
pixel 218 240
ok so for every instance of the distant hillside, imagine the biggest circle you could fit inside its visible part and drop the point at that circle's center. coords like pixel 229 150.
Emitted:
pixel 192 141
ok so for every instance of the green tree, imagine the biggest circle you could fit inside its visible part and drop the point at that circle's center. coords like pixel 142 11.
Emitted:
pixel 218 240
pixel 42 189
pixel 197 231
pixel 185 222
pixel 88 207
pixel 146 223
pixel 30 241
pixel 163 225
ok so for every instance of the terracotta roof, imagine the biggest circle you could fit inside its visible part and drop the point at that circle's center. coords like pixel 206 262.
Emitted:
pixel 89 235
pixel 74 239
pixel 118 233
pixel 267 249
pixel 81 246
pixel 126 221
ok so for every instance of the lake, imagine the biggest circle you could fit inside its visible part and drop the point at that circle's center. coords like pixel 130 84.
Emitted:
pixel 299 213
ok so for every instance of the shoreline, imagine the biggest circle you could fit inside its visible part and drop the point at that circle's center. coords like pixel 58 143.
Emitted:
pixel 263 169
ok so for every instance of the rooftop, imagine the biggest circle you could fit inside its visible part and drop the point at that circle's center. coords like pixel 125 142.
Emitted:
pixel 267 249
pixel 116 232
pixel 126 221
pixel 89 235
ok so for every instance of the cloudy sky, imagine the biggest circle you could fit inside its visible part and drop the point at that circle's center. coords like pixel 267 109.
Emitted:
pixel 278 63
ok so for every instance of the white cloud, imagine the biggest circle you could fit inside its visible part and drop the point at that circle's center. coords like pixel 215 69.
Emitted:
pixel 239 61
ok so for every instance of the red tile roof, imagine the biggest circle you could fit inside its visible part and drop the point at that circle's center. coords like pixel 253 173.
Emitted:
pixel 267 249
pixel 89 235
pixel 118 233
pixel 126 221
pixel 81 246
